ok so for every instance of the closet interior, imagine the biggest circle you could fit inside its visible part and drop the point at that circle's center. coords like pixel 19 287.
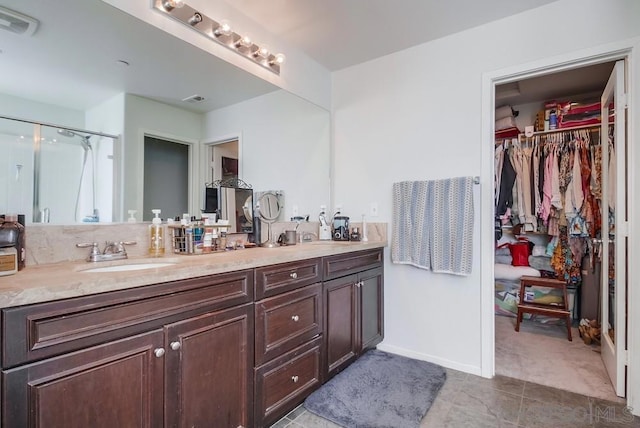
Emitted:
pixel 548 190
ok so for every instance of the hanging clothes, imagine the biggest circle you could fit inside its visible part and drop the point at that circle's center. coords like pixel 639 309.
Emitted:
pixel 553 183
pixel 574 199
pixel 507 178
pixel 497 173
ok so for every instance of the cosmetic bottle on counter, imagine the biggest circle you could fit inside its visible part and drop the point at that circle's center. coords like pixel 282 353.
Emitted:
pixel 156 235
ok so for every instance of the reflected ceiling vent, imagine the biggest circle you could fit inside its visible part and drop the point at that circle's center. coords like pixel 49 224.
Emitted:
pixel 17 23
pixel 194 99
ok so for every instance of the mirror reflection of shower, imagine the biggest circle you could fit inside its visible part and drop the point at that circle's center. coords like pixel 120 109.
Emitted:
pixel 93 216
pixel 46 165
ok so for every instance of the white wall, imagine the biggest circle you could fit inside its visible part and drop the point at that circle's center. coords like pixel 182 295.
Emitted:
pixel 40 112
pixel 284 145
pixel 161 120
pixel 416 115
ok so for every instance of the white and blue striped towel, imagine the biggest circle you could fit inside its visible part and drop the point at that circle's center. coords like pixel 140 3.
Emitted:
pixel 433 224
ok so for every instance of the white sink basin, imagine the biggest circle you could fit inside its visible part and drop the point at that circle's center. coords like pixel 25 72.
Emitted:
pixel 133 266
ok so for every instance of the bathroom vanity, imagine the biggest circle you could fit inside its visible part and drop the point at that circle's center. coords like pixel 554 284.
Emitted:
pixel 221 340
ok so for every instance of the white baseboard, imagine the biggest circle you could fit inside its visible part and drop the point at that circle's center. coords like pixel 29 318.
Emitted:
pixel 430 358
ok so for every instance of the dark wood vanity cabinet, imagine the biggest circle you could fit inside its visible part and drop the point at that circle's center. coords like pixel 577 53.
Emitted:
pixel 208 365
pixel 238 349
pixel 353 302
pixel 288 337
pixel 187 364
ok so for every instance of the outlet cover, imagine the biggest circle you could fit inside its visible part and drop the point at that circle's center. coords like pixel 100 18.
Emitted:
pixel 373 209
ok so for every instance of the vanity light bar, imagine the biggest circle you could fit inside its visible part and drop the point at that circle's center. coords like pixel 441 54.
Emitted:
pixel 220 32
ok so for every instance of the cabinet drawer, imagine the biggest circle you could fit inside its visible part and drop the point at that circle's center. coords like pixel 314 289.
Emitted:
pixel 286 321
pixel 272 280
pixel 345 264
pixel 38 331
pixel 286 381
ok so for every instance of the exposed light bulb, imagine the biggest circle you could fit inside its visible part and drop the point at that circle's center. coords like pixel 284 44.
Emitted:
pixel 195 19
pixel 244 41
pixel 169 5
pixel 224 29
pixel 279 59
pixel 262 52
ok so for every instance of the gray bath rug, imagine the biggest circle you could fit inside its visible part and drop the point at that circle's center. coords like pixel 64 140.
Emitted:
pixel 379 390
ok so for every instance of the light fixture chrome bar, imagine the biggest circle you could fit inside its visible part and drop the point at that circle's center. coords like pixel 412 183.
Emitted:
pixel 212 29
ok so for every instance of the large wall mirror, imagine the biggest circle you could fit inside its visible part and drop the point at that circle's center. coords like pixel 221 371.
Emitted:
pixel 94 69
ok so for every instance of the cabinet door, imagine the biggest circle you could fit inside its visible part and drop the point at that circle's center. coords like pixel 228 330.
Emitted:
pixel 370 298
pixel 209 364
pixel 118 384
pixel 340 302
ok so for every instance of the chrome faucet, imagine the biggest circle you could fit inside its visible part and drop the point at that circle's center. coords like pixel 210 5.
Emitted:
pixel 112 250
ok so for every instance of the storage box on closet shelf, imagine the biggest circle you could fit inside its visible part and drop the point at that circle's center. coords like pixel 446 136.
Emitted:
pixel 198 238
pixel 558 115
pixel 505 125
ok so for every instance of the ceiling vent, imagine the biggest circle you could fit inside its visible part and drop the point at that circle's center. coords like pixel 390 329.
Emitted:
pixel 194 99
pixel 17 23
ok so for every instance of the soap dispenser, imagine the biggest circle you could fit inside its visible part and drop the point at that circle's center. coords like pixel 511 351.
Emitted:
pixel 156 235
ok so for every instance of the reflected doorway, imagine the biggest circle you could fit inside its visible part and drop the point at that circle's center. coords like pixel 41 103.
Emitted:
pixel 166 177
pixel 223 161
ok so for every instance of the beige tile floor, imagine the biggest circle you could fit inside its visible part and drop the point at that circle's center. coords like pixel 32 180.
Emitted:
pixel 542 354
pixel 471 401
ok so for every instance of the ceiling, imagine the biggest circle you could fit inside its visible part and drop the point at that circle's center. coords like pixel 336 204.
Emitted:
pixel 73 58
pixel 575 84
pixel 342 33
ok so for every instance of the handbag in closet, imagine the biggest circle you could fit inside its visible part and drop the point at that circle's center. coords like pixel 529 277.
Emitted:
pixel 520 251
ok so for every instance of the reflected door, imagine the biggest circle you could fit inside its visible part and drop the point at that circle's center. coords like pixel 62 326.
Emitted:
pixel 166 178
pixel 615 221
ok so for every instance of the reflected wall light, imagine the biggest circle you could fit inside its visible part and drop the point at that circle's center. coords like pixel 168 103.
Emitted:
pixel 221 32
pixel 169 5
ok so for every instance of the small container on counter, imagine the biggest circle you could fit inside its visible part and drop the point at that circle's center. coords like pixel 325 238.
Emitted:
pixel 355 234
pixel 12 234
pixel 8 261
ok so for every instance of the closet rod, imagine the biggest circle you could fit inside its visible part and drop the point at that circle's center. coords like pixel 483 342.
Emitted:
pixel 551 131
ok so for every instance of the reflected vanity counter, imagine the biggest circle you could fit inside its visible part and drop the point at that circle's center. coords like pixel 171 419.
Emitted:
pixel 55 267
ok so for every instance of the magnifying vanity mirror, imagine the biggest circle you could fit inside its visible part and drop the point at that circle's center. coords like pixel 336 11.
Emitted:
pixel 269 209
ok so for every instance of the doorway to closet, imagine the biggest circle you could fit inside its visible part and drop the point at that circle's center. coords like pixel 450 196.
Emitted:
pixel 560 181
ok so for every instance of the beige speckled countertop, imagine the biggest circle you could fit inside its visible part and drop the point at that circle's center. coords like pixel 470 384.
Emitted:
pixel 55 281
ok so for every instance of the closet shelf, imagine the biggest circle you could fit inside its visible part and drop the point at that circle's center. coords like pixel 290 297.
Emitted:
pixel 508 229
